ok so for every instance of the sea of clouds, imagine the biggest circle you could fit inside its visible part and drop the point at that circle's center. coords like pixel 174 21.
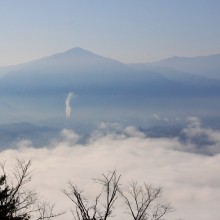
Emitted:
pixel 187 167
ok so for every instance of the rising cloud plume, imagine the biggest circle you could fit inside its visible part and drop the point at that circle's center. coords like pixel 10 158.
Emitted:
pixel 68 104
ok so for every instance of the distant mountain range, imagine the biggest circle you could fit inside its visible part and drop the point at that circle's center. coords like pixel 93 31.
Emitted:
pixel 10 134
pixel 87 73
pixel 107 88
pixel 207 66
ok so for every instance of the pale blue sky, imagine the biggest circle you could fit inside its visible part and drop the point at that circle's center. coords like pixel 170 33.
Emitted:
pixel 126 30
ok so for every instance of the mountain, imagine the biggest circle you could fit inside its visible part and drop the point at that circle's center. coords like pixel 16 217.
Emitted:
pixel 83 72
pixel 4 70
pixel 60 71
pixel 170 73
pixel 86 73
pixel 207 66
pixel 10 134
pixel 103 89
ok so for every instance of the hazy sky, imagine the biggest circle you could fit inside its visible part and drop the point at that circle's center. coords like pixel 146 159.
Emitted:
pixel 127 30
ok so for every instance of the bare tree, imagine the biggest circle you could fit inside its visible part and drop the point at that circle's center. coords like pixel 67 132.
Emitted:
pixel 103 204
pixel 17 202
pixel 45 211
pixel 141 202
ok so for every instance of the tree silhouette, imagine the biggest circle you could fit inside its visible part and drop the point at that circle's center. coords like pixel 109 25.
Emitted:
pixel 17 202
pixel 101 208
pixel 141 201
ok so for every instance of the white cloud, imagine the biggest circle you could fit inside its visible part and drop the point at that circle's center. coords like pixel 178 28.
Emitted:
pixel 158 118
pixel 191 181
pixel 200 140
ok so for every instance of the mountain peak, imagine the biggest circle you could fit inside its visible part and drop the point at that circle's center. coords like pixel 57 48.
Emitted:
pixel 78 51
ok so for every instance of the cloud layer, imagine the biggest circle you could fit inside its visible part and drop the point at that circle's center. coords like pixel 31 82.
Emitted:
pixel 189 176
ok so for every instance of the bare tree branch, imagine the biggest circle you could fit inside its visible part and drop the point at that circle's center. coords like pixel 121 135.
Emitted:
pixel 18 202
pixel 141 201
pixel 99 209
